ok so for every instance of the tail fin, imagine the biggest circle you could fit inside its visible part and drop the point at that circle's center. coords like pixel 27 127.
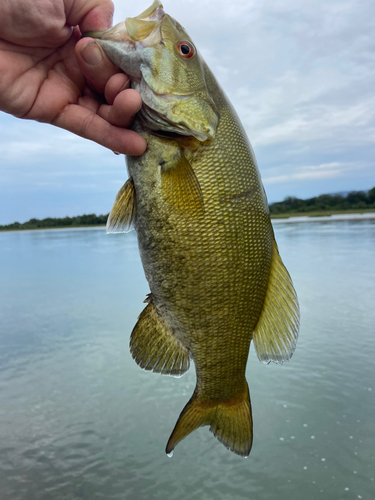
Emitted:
pixel 230 421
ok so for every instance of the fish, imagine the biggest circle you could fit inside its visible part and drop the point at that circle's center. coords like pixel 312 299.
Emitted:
pixel 197 203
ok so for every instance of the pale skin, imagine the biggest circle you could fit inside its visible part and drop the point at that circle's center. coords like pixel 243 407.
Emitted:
pixel 49 74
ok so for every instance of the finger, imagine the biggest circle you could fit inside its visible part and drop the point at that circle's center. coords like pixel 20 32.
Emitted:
pixel 91 15
pixel 85 123
pixel 115 85
pixel 94 64
pixel 90 103
pixel 123 110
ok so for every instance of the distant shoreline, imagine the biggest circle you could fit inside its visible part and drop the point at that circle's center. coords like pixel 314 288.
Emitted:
pixel 279 218
pixel 326 213
pixel 329 217
pixel 50 228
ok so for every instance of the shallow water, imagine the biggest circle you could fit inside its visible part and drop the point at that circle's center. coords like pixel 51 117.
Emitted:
pixel 80 420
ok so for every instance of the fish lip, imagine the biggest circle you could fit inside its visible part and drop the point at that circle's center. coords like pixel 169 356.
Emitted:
pixel 117 33
pixel 120 33
pixel 154 13
pixel 125 43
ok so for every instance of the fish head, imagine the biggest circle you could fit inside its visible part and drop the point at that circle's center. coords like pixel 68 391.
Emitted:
pixel 167 70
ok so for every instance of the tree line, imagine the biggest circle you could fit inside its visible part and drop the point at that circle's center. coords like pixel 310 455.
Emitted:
pixel 355 200
pixel 49 222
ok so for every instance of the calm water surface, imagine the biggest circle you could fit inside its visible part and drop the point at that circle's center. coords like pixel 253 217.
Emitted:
pixel 80 420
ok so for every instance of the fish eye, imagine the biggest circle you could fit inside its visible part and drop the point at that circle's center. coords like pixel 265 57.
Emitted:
pixel 186 49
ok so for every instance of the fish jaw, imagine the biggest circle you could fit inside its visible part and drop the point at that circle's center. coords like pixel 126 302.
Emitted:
pixel 124 55
pixel 124 43
pixel 120 32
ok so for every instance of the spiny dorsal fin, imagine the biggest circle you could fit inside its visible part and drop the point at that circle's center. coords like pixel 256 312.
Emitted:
pixel 154 346
pixel 276 332
pixel 181 187
pixel 122 215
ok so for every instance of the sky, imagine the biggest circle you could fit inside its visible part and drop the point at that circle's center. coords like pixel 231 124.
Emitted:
pixel 301 76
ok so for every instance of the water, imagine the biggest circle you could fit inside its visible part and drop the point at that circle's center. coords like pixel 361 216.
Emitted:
pixel 80 420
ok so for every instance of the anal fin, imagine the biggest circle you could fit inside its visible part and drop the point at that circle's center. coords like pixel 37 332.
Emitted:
pixel 154 346
pixel 275 335
pixel 122 215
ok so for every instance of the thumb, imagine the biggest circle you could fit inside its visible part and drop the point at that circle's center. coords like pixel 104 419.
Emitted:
pixel 94 64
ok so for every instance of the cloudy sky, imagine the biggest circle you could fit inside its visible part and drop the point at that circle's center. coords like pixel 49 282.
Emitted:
pixel 301 76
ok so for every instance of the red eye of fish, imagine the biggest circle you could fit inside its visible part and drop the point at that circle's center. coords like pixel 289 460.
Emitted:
pixel 186 49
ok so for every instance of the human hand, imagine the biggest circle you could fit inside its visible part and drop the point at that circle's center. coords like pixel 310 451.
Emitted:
pixel 45 75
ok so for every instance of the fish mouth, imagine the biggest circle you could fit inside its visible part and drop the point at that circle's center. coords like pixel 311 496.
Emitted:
pixel 144 48
pixel 133 29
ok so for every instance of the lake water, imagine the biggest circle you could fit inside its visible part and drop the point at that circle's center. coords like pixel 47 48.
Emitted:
pixel 80 420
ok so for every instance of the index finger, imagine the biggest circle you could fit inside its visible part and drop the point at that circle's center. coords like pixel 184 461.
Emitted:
pixel 90 14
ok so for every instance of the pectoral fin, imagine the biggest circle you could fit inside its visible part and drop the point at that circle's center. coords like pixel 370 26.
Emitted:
pixel 154 346
pixel 276 332
pixel 181 187
pixel 122 215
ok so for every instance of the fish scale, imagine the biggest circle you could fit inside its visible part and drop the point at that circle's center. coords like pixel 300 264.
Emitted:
pixel 196 200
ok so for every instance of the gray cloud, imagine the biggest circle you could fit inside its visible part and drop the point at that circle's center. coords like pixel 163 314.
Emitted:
pixel 300 75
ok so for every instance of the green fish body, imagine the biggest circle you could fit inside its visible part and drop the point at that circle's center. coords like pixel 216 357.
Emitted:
pixel 196 200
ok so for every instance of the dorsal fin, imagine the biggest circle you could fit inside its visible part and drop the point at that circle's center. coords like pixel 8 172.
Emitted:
pixel 275 335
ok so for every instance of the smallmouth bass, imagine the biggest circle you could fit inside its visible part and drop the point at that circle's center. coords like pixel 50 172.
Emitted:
pixel 196 200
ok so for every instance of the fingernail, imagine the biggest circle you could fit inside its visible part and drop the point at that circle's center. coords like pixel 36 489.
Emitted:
pixel 92 54
pixel 126 86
